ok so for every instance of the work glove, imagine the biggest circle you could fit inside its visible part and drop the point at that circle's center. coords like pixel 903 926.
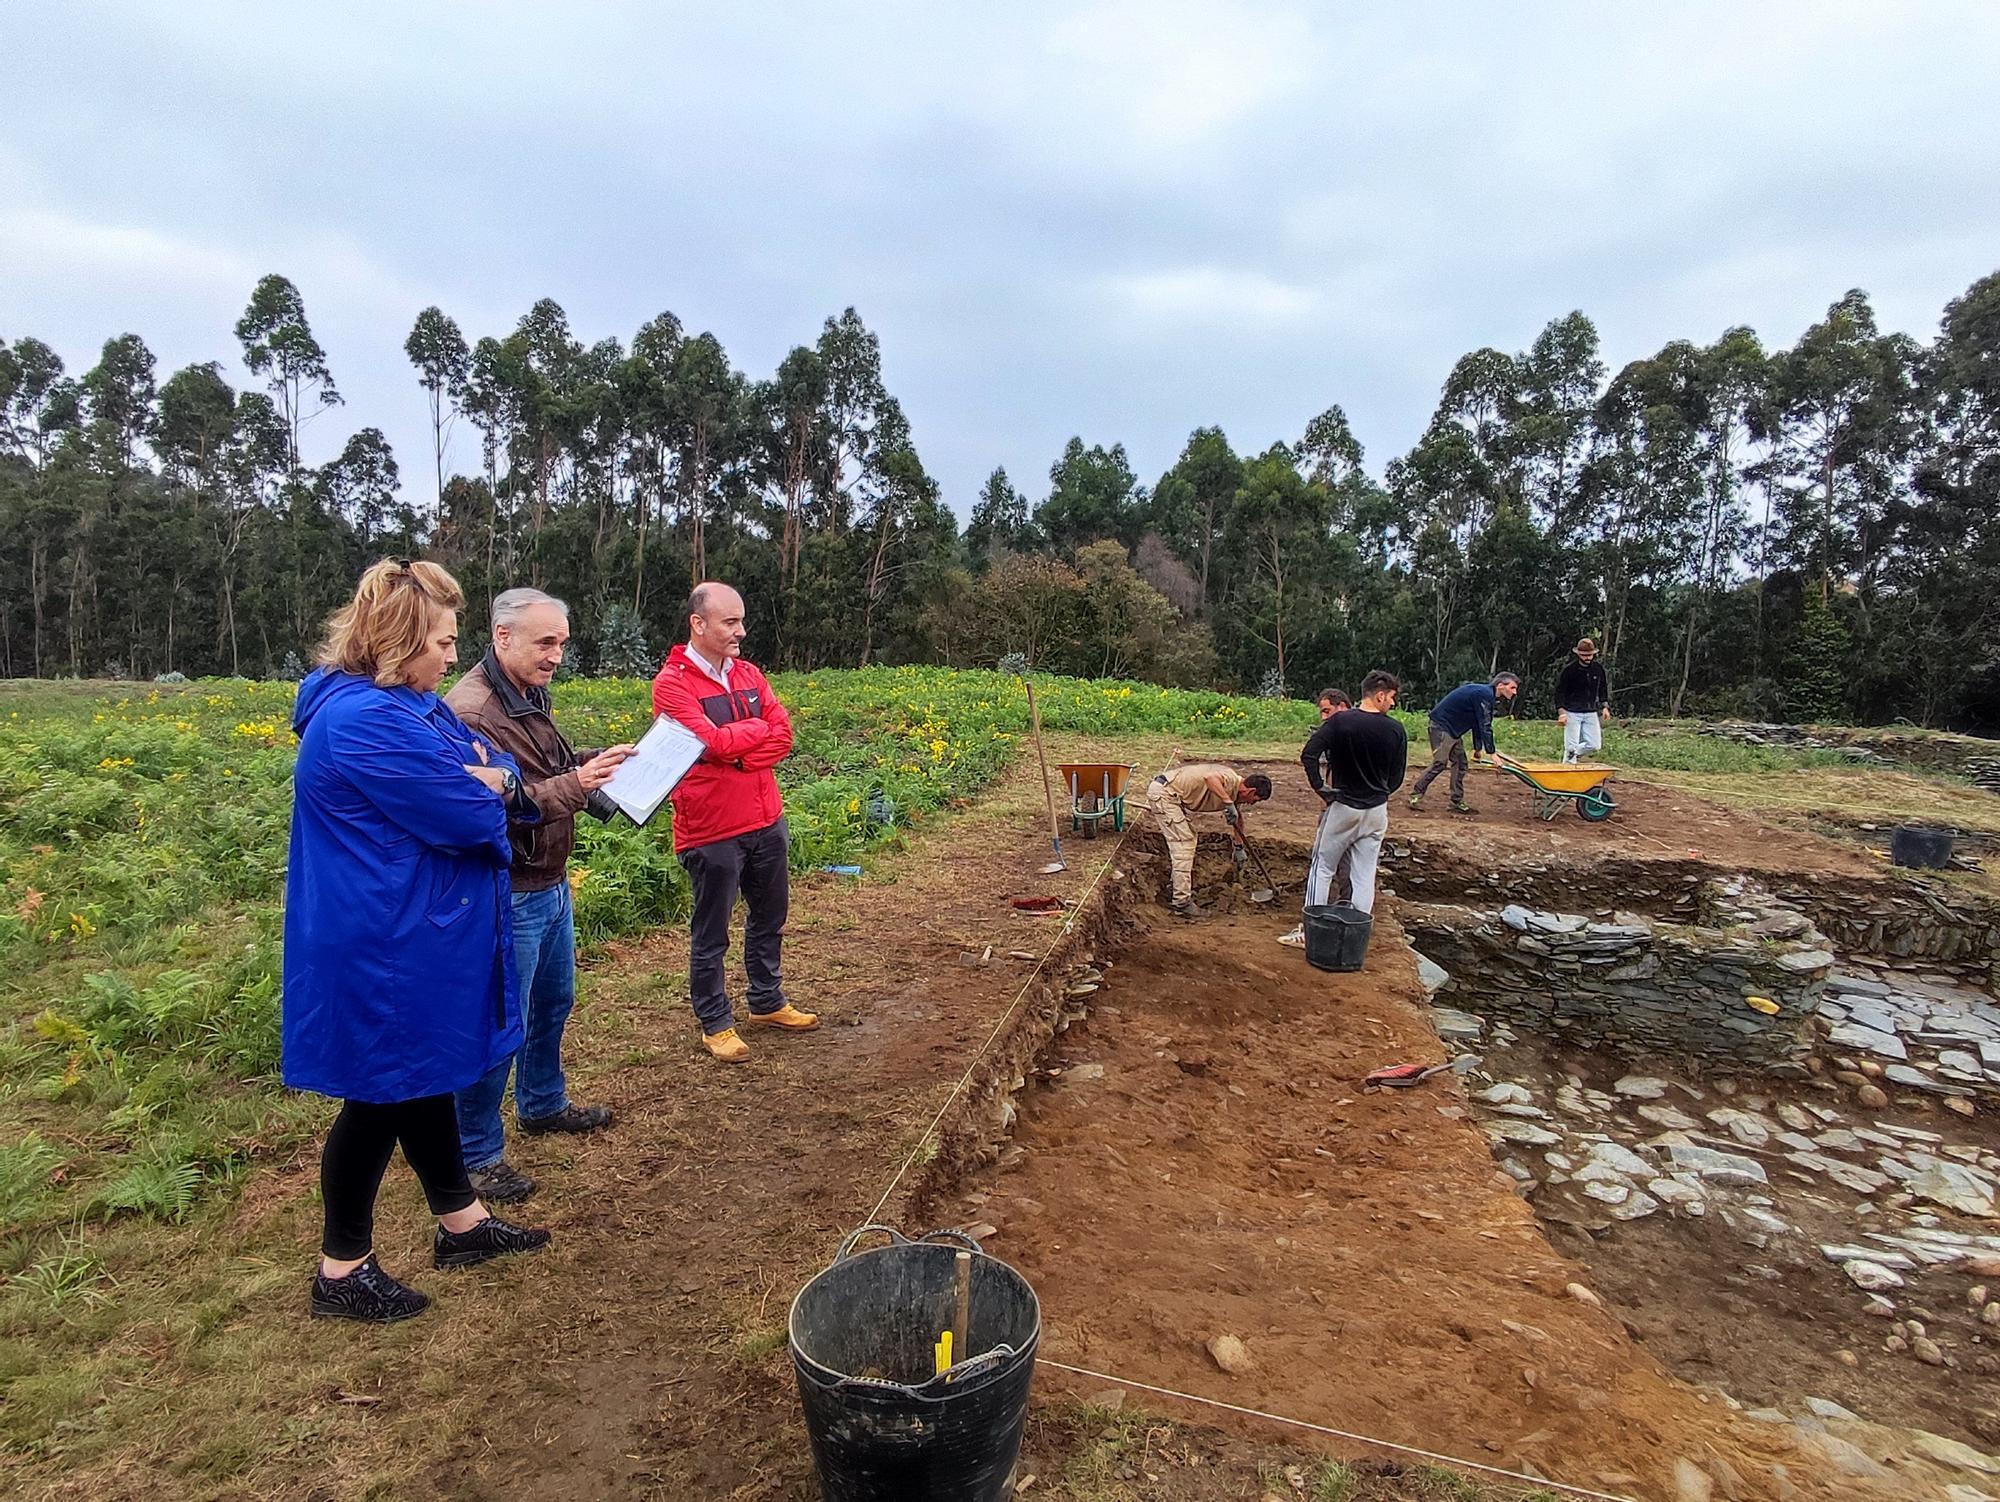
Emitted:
pixel 1241 856
pixel 1229 817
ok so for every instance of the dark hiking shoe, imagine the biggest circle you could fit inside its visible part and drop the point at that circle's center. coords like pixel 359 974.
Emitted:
pixel 492 1237
pixel 1189 908
pixel 1463 808
pixel 1416 800
pixel 501 1182
pixel 367 1294
pixel 571 1118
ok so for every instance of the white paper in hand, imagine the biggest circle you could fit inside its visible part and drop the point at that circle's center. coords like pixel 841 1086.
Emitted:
pixel 662 758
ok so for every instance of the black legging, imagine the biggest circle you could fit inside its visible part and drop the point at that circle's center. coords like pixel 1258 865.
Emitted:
pixel 358 1147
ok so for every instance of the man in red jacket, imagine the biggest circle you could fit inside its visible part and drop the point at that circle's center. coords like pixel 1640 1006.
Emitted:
pixel 729 824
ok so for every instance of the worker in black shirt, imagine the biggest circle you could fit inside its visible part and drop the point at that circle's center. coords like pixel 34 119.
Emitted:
pixel 1367 752
pixel 1583 702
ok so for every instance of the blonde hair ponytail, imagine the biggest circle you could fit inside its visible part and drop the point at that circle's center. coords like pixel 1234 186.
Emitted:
pixel 389 619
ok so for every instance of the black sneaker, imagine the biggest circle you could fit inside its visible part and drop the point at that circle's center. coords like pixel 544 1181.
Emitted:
pixel 492 1237
pixel 501 1182
pixel 1463 808
pixel 571 1118
pixel 367 1294
pixel 1189 909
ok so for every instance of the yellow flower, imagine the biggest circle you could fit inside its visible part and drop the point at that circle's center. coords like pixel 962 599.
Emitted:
pixel 81 926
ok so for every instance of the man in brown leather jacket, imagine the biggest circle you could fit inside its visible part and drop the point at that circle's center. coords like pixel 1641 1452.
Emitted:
pixel 506 699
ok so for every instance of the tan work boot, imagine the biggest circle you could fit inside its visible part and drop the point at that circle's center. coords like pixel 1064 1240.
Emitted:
pixel 788 1017
pixel 726 1046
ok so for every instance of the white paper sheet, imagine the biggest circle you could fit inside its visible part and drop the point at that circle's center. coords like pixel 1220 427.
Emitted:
pixel 645 778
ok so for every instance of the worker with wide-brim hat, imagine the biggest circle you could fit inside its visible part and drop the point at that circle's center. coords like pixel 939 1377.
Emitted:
pixel 1583 702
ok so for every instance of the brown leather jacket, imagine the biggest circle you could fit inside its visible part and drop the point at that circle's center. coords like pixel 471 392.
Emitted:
pixel 521 725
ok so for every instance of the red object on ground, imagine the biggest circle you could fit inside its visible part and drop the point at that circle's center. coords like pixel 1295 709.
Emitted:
pixel 1037 904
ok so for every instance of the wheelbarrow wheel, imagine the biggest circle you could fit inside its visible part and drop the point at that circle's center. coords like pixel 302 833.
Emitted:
pixel 1595 805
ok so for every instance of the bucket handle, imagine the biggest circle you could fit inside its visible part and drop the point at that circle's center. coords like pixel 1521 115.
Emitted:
pixel 847 1246
pixel 938 1388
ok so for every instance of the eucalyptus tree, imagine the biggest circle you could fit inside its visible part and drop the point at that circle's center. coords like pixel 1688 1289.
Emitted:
pixel 278 344
pixel 1191 504
pixel 1837 410
pixel 438 350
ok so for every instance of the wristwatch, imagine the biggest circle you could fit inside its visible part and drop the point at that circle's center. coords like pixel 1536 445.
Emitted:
pixel 510 784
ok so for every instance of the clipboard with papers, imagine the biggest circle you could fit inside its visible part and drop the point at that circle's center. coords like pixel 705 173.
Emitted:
pixel 662 758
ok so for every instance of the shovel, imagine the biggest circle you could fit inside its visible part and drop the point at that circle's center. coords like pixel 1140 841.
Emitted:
pixel 1267 892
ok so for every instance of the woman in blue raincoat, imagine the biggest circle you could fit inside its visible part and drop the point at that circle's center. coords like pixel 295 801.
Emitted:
pixel 399 985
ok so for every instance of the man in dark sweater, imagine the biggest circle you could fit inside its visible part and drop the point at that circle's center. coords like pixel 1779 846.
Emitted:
pixel 1583 702
pixel 1466 710
pixel 1367 753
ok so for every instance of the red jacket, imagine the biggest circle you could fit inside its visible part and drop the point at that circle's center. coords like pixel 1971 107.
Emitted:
pixel 731 790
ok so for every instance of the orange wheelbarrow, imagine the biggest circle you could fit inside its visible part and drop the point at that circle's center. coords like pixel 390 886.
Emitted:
pixel 1096 793
pixel 1554 784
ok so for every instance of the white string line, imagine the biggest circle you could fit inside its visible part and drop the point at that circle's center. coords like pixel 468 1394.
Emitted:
pixel 1069 924
pixel 1364 1439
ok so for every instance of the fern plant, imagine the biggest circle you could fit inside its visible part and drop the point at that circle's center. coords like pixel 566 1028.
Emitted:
pixel 162 1187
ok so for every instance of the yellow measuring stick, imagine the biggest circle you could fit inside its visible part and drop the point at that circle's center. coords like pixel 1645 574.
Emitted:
pixel 943 1352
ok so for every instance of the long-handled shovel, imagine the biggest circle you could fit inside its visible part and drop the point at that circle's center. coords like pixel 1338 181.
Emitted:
pixel 1269 890
pixel 1048 793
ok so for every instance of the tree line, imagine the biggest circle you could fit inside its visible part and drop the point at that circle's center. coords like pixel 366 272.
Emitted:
pixel 1802 533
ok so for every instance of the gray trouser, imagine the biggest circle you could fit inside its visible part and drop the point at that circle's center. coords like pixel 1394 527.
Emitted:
pixel 1350 837
pixel 1447 750
pixel 754 864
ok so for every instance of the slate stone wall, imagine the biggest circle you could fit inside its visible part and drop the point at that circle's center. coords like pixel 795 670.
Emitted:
pixel 1639 986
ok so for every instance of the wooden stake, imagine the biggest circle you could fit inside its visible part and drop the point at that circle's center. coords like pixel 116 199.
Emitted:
pixel 1048 793
pixel 963 1272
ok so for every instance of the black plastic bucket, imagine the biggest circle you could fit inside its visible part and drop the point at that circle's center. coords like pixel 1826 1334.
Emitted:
pixel 882 1422
pixel 1913 845
pixel 1337 936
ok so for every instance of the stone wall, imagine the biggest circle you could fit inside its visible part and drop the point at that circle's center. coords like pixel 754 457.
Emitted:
pixel 1638 986
pixel 1913 920
pixel 1903 917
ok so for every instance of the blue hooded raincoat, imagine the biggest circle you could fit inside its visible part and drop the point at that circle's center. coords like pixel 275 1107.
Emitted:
pixel 399 948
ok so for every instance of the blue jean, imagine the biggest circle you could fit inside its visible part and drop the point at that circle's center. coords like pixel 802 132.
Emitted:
pixel 545 959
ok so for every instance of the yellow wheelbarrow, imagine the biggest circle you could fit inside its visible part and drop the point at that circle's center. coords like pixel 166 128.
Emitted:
pixel 1552 784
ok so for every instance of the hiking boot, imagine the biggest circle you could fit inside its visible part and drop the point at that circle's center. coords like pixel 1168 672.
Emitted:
pixel 726 1046
pixel 788 1017
pixel 571 1118
pixel 1296 938
pixel 492 1237
pixel 1416 800
pixel 1463 808
pixel 366 1294
pixel 501 1182
pixel 1187 907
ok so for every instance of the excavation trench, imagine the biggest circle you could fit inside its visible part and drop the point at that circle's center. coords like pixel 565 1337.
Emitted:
pixel 1168 1136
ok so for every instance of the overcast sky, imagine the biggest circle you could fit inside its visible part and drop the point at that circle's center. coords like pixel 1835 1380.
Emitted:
pixel 1123 220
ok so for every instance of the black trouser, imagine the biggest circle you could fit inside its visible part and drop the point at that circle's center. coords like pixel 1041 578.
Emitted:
pixel 755 864
pixel 358 1147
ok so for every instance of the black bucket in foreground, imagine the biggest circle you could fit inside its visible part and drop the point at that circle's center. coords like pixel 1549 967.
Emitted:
pixel 1337 936
pixel 882 1422
pixel 1925 849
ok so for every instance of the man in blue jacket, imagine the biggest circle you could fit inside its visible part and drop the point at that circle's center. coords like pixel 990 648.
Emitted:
pixel 1466 710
